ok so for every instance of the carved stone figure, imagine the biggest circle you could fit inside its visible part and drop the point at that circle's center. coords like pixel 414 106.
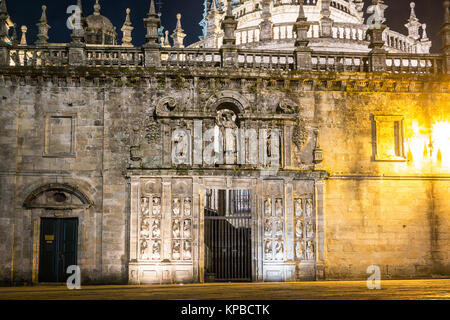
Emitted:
pixel 299 229
pixel 309 250
pixel 279 250
pixel 309 230
pixel 143 249
pixel 176 207
pixel 156 208
pixel 299 253
pixel 226 118
pixel 287 106
pixel 144 206
pixel 176 232
pixel 278 228
pixel 187 207
pixel 268 249
pixel 309 208
pixel 156 228
pixel 156 250
pixel 268 207
pixel 279 207
pixel 145 228
pixel 176 250
pixel 187 229
pixel 187 250
pixel 268 228
pixel 298 208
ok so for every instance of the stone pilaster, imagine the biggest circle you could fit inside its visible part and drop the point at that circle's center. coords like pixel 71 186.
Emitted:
pixel 445 33
pixel 302 52
pixel 229 52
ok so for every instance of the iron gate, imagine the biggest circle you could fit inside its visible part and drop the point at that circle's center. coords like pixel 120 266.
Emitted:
pixel 228 235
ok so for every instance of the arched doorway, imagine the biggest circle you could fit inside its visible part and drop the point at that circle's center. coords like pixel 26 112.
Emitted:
pixel 58 211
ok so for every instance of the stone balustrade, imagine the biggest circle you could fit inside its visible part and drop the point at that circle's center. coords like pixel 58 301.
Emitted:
pixel 117 56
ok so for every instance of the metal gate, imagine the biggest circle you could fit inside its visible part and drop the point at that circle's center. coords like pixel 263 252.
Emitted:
pixel 228 235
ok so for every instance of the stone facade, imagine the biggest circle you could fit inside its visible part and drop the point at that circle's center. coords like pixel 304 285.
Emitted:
pixel 362 173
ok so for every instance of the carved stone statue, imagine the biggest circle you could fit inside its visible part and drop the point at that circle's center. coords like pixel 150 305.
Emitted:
pixel 145 228
pixel 279 250
pixel 156 208
pixel 176 250
pixel 299 253
pixel 309 250
pixel 143 249
pixel 268 228
pixel 226 118
pixel 144 207
pixel 187 229
pixel 309 208
pixel 278 228
pixel 176 207
pixel 309 230
pixel 268 249
pixel 187 250
pixel 156 249
pixel 176 232
pixel 156 228
pixel 187 207
pixel 268 207
pixel 298 207
pixel 279 207
pixel 299 229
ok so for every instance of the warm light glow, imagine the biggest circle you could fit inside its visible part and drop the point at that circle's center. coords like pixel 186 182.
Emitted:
pixel 429 146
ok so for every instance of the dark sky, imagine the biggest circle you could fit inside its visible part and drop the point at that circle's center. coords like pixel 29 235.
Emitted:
pixel 28 12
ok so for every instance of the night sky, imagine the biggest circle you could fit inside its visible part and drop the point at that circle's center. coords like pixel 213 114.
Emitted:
pixel 28 12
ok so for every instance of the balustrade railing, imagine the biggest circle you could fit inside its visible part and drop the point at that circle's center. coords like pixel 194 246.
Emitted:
pixel 58 56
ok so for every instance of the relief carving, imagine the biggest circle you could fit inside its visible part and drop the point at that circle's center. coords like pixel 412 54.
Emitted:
pixel 187 207
pixel 176 250
pixel 187 250
pixel 156 249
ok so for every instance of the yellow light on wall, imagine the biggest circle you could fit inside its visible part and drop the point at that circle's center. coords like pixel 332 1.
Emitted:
pixel 441 141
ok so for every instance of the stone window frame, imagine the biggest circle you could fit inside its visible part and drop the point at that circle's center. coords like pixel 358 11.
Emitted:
pixel 399 136
pixel 48 117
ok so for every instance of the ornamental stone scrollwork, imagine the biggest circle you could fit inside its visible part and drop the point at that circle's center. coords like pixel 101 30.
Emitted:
pixel 300 135
pixel 165 106
pixel 287 106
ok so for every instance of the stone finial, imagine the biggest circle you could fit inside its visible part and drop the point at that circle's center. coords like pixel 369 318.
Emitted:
pixel 166 40
pixel 413 24
pixel 178 34
pixel 3 18
pixel 213 7
pixel 127 29
pixel 326 23
pixel 301 27
pixel 43 28
pixel 424 32
pixel 23 40
pixel 14 37
pixel 266 24
pixel 152 22
pixel 80 5
pixel 97 8
pixel 229 25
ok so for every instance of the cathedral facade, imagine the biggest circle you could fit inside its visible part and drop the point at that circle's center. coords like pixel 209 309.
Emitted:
pixel 295 141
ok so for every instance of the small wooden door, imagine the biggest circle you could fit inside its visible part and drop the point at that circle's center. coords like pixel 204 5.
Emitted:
pixel 58 248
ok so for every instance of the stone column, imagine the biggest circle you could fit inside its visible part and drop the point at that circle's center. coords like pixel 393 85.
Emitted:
pixel 319 196
pixel 326 23
pixel 266 24
pixel 229 51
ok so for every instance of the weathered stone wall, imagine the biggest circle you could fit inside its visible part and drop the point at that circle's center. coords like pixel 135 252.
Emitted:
pixel 392 214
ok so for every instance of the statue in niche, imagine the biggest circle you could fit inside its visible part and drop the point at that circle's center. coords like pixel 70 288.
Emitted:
pixel 156 210
pixel 268 249
pixel 309 208
pixel 156 228
pixel 298 208
pixel 309 230
pixel 226 118
pixel 187 207
pixel 156 249
pixel 145 228
pixel 279 207
pixel 299 253
pixel 278 228
pixel 176 250
pixel 269 143
pixel 279 252
pixel 268 207
pixel 176 232
pixel 176 207
pixel 144 206
pixel 143 249
pixel 309 250
pixel 299 229
pixel 187 251
pixel 268 228
pixel 187 229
